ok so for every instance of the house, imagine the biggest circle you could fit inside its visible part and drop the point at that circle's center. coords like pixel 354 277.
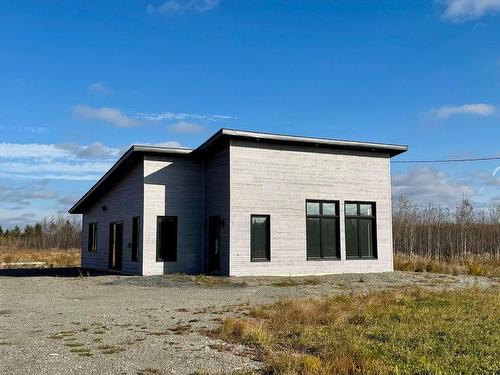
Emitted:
pixel 243 203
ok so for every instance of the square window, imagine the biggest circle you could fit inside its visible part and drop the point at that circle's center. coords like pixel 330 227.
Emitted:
pixel 351 209
pixel 329 209
pixel 313 208
pixel 365 209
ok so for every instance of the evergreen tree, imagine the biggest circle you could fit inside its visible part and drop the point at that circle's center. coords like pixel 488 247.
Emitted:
pixel 1 231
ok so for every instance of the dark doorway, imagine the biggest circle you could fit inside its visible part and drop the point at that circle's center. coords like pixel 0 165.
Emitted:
pixel 214 224
pixel 115 246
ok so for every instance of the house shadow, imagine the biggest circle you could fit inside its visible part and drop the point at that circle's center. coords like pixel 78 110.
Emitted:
pixel 181 182
pixel 53 272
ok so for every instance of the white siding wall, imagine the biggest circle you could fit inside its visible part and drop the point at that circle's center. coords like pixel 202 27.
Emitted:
pixel 276 180
pixel 123 201
pixel 173 186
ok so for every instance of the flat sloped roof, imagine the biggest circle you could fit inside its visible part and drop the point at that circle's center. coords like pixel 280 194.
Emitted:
pixel 133 152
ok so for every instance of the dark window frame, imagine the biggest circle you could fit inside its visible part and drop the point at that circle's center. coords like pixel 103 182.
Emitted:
pixel 92 237
pixel 358 216
pixel 337 229
pixel 166 256
pixel 268 252
pixel 134 251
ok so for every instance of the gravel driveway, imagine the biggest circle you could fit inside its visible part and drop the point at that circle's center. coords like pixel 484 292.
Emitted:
pixel 152 325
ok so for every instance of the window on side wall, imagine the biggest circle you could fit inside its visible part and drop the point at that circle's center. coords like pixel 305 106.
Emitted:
pixel 135 238
pixel 92 243
pixel 322 230
pixel 360 230
pixel 166 239
pixel 260 238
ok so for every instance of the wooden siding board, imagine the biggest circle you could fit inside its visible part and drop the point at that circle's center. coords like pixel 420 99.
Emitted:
pixel 276 180
pixel 123 201
pixel 173 186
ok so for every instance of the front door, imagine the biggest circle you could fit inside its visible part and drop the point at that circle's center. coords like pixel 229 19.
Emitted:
pixel 214 224
pixel 115 246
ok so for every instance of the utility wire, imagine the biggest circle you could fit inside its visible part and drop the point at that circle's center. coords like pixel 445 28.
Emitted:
pixel 447 160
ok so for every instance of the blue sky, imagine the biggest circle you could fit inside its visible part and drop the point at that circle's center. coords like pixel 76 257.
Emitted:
pixel 81 81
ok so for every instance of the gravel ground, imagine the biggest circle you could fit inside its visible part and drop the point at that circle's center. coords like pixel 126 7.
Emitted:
pixel 152 325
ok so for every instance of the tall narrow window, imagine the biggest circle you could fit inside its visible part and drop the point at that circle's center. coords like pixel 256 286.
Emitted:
pixel 92 243
pixel 322 230
pixel 360 230
pixel 260 238
pixel 166 239
pixel 135 238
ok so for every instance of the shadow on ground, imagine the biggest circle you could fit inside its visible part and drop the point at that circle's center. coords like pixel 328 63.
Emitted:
pixel 53 272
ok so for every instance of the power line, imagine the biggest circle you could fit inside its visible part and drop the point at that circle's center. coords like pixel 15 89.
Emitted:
pixel 447 160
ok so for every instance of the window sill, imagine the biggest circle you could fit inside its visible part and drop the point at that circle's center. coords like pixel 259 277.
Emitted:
pixel 322 259
pixel 361 258
pixel 260 260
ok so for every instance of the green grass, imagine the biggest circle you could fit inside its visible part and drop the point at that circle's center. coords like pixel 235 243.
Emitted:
pixel 383 333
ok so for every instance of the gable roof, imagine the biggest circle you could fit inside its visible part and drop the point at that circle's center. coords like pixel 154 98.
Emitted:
pixel 137 151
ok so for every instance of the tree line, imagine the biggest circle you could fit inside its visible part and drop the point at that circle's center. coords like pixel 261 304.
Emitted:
pixel 443 233
pixel 430 230
pixel 56 232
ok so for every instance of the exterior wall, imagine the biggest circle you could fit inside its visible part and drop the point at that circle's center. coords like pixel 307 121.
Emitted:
pixel 173 186
pixel 277 180
pixel 123 201
pixel 216 202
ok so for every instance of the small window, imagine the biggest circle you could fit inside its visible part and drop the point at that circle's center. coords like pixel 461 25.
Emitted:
pixel 166 239
pixel 135 238
pixel 92 244
pixel 360 230
pixel 322 230
pixel 260 238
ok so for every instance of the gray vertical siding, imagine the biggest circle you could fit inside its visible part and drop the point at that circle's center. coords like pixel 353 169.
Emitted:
pixel 173 186
pixel 123 201
pixel 216 201
pixel 277 180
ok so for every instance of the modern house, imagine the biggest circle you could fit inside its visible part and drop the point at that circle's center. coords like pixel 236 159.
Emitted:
pixel 243 203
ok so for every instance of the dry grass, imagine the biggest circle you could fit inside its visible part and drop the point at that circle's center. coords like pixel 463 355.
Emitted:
pixel 52 257
pixel 383 333
pixel 295 281
pixel 477 266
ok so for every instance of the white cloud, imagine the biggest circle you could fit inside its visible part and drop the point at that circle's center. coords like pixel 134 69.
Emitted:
pixel 113 116
pixel 36 129
pixel 95 150
pixel 175 6
pixel 99 87
pixel 480 109
pixel 22 195
pixel 169 116
pixel 428 184
pixel 56 161
pixel 173 144
pixel 185 127
pixel 466 10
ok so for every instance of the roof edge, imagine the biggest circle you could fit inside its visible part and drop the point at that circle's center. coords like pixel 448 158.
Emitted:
pixel 391 149
pixel 133 149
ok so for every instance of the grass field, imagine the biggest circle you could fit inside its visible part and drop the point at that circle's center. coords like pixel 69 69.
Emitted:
pixel 476 266
pixel 52 257
pixel 397 332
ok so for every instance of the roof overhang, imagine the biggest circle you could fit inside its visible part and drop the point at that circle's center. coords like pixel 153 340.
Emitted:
pixel 384 148
pixel 136 152
pixel 133 154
